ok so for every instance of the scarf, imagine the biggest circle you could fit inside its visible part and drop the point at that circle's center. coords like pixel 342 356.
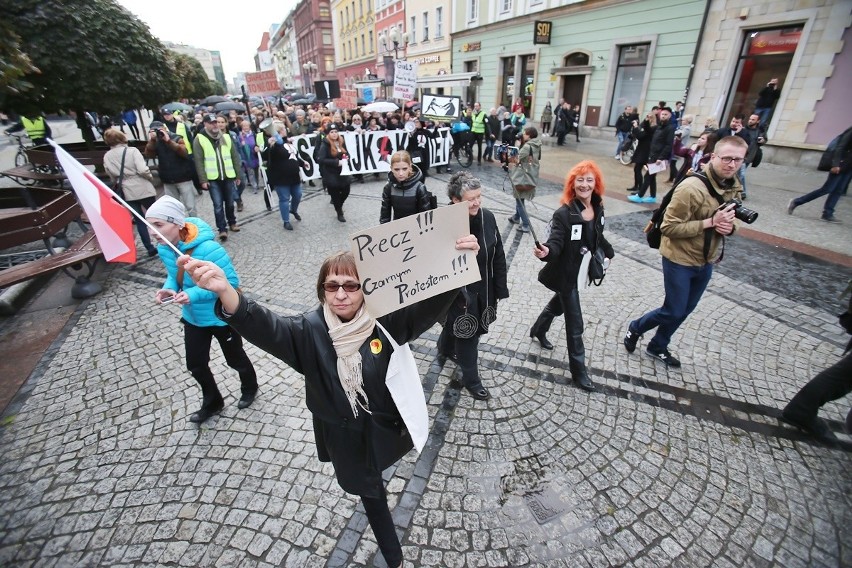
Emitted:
pixel 347 338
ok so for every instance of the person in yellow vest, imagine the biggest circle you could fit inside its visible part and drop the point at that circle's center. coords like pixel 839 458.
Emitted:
pixel 217 162
pixel 477 127
pixel 176 126
pixel 36 126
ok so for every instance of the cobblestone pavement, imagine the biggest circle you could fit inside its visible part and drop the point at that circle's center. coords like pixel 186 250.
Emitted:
pixel 660 467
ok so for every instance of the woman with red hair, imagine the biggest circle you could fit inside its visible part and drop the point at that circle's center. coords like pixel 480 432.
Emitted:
pixel 576 230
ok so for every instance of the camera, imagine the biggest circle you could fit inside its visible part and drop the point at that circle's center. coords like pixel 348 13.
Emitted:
pixel 160 133
pixel 504 153
pixel 741 212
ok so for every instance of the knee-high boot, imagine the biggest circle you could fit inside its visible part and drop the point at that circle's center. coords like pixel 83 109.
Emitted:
pixel 574 336
pixel 542 324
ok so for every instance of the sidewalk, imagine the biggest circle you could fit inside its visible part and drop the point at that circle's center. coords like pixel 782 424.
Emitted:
pixel 659 467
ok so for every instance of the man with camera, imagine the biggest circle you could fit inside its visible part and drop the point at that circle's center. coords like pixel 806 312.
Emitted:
pixel 701 213
pixel 174 165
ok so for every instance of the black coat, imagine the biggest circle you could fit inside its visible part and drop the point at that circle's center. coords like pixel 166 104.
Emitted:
pixel 478 297
pixel 282 167
pixel 303 343
pixel 563 260
pixel 330 168
pixel 662 142
pixel 401 199
pixel 643 134
pixel 419 145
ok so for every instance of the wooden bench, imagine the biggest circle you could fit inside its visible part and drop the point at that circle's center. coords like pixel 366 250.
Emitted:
pixel 84 250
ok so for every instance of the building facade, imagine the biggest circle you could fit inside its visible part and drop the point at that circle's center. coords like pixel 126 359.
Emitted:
pixel 353 23
pixel 314 42
pixel 285 57
pixel 428 24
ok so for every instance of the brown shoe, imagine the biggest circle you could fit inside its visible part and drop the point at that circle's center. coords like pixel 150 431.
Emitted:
pixel 239 206
pixel 235 228
pixel 223 236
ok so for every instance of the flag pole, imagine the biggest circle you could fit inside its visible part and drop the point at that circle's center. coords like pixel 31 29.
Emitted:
pixel 126 206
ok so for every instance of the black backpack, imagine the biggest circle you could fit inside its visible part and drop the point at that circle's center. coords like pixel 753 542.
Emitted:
pixel 652 230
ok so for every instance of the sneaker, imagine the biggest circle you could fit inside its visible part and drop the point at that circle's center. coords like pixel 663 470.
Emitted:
pixel 524 229
pixel 296 216
pixel 223 236
pixel 665 356
pixel 649 200
pixel 235 228
pixel 631 338
pixel 288 226
pixel 239 206
pixel 791 206
pixel 830 218
pixel 514 220
pixel 617 157
pixel 634 198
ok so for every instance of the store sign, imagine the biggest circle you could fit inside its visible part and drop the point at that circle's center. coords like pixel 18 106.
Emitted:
pixel 542 32
pixel 774 42
pixel 474 46
pixel 428 59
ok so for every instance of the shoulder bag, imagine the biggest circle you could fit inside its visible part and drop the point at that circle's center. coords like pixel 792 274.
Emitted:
pixel 117 187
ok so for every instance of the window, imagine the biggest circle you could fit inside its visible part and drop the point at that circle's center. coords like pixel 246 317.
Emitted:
pixel 363 46
pixel 413 28
pixel 329 63
pixel 324 11
pixel 326 37
pixel 351 53
pixel 425 26
pixel 505 6
pixel 629 77
pixel 472 10
pixel 439 24
pixel 372 43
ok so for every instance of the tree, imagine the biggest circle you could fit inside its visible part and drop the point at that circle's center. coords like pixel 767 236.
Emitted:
pixel 215 88
pixel 92 54
pixel 14 63
pixel 194 83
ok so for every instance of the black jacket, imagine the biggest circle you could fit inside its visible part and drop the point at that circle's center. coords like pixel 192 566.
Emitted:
pixel 282 167
pixel 330 168
pixel 401 199
pixel 643 134
pixel 563 260
pixel 662 142
pixel 624 122
pixel 480 298
pixel 767 97
pixel 171 167
pixel 303 343
pixel 493 127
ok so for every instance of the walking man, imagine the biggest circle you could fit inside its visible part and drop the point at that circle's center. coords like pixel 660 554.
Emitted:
pixel 217 162
pixel 693 226
pixel 838 179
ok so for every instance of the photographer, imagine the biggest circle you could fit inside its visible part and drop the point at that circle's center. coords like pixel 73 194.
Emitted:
pixel 693 227
pixel 524 175
pixel 175 167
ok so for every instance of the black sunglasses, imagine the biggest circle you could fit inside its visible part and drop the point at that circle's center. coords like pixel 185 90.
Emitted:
pixel 334 286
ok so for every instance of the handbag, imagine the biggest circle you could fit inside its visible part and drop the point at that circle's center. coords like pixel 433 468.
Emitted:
pixel 524 187
pixel 118 186
pixel 597 267
pixel 403 382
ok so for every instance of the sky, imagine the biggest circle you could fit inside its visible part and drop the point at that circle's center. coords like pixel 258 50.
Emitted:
pixel 237 35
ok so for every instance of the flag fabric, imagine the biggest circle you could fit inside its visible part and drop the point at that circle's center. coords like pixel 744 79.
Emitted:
pixel 110 220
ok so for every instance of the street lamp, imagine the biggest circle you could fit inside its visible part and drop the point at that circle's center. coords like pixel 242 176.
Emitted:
pixel 393 41
pixel 311 68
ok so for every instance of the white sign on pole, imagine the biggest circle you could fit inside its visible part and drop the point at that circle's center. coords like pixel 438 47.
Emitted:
pixel 405 80
pixel 414 258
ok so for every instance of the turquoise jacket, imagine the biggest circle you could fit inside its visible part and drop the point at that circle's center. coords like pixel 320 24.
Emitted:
pixel 202 240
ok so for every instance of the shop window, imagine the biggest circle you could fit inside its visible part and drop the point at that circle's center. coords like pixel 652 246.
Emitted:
pixel 507 81
pixel 527 82
pixel 629 77
pixel 765 55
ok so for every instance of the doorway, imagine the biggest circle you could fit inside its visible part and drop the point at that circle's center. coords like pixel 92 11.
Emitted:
pixel 572 89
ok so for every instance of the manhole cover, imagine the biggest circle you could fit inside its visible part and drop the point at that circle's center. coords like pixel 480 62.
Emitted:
pixel 545 504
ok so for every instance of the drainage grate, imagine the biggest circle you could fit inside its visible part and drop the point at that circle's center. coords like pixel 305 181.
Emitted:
pixel 17 258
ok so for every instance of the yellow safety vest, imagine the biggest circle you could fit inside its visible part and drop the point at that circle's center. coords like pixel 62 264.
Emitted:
pixel 211 164
pixel 478 123
pixel 181 130
pixel 35 128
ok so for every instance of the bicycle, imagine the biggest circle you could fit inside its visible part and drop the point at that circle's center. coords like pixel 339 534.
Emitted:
pixel 21 158
pixel 464 155
pixel 627 150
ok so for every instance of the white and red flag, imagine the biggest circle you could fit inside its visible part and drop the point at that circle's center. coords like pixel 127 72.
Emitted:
pixel 110 220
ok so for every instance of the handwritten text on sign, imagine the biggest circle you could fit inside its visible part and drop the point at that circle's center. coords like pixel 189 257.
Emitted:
pixel 413 258
pixel 405 80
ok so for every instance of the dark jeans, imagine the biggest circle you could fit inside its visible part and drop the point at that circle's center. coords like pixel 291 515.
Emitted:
pixel 289 197
pixel 381 521
pixel 489 148
pixel 223 193
pixel 197 341
pixel 828 385
pixel 649 182
pixel 834 186
pixel 338 196
pixel 141 227
pixel 466 353
pixel 134 129
pixel 478 137
pixel 521 212
pixel 684 286
pixel 569 305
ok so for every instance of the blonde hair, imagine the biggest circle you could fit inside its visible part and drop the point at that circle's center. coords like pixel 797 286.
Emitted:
pixel 401 156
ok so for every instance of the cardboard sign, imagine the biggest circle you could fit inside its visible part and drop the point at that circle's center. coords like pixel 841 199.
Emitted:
pixel 441 108
pixel 405 80
pixel 414 258
pixel 262 83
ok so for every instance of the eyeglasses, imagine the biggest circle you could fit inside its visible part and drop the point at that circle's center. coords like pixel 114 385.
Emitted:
pixel 731 160
pixel 333 287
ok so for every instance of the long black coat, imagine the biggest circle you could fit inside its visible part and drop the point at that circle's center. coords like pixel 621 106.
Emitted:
pixel 330 168
pixel 477 298
pixel 643 133
pixel 303 343
pixel 568 235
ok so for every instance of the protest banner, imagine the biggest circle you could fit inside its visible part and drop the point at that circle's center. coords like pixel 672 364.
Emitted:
pixel 262 83
pixel 370 150
pixel 441 108
pixel 414 258
pixel 405 80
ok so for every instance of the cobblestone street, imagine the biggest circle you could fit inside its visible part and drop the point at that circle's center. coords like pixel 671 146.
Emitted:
pixel 660 467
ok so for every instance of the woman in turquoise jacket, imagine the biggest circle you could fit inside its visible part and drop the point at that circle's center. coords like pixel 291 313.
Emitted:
pixel 196 238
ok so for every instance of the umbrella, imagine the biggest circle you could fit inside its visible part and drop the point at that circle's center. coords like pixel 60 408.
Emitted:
pixel 229 105
pixel 300 102
pixel 384 106
pixel 180 107
pixel 213 99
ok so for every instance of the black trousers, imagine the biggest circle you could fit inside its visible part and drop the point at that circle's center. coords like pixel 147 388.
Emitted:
pixel 466 352
pixel 650 182
pixel 197 341
pixel 478 137
pixel 830 384
pixel 637 176
pixel 338 196
pixel 381 521
pixel 568 304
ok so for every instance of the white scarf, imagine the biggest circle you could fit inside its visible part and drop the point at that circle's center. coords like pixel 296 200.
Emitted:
pixel 347 338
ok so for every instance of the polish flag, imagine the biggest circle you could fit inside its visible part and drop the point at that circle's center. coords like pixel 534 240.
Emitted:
pixel 110 220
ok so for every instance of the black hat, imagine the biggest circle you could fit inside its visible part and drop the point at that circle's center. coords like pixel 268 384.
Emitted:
pixel 156 125
pixel 209 118
pixel 333 126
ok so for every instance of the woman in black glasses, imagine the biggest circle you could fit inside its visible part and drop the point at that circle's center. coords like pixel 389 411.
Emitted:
pixel 344 355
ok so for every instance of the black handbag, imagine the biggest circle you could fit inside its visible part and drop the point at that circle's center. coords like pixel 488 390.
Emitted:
pixel 597 269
